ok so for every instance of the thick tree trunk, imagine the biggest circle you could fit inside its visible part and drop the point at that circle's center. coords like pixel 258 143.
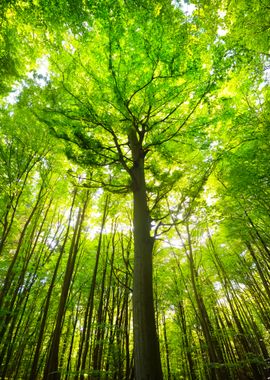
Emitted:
pixel 146 346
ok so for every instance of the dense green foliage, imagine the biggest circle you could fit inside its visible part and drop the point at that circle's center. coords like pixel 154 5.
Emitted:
pixel 90 90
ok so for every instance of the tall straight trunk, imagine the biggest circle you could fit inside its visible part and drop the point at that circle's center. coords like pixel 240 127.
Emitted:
pixel 109 308
pixel 259 268
pixel 246 345
pixel 146 346
pixel 11 210
pixel 100 319
pixel 87 325
pixel 45 309
pixel 11 270
pixel 181 317
pixel 166 347
pixel 51 371
pixel 213 345
pixel 71 345
pixel 18 336
pixel 127 319
pixel 111 332
pixel 243 343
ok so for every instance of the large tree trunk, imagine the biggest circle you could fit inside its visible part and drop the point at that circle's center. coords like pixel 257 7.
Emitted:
pixel 146 346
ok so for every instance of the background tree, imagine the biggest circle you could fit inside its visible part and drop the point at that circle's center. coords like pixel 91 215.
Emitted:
pixel 166 107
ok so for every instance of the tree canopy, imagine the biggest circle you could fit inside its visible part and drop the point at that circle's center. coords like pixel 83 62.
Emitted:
pixel 134 178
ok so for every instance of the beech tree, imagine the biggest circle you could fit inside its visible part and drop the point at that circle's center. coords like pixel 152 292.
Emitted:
pixel 164 106
pixel 136 101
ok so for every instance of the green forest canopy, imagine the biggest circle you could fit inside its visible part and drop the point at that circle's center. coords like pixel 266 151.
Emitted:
pixel 134 204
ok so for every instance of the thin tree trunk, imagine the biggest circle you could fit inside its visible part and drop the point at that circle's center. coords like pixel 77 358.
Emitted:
pixel 100 318
pixel 85 337
pixel 166 347
pixel 34 367
pixel 51 371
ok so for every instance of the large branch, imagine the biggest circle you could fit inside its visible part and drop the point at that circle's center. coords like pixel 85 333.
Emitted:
pixel 170 137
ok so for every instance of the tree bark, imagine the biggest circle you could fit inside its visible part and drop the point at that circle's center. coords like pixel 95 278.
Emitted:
pixel 87 325
pixel 146 346
pixel 51 371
